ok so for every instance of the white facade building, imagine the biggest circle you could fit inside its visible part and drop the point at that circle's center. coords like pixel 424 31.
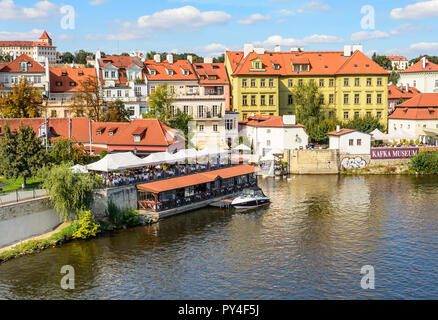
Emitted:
pixel 350 142
pixel 398 62
pixel 423 75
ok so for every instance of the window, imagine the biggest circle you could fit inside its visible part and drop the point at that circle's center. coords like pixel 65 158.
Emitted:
pixel 58 83
pixel 37 79
pixel 253 83
pixel 351 142
pixel 290 83
pixel 368 98
pixel 346 115
pixel 72 84
pixel 201 111
pixel 368 113
pixel 268 143
pixel 229 124
pixel 296 68
pixel 379 82
pixel 369 82
pixel 137 138
pixel 300 82
pixel 53 114
pixel 379 98
pixel 331 82
pixel 346 98
pixel 119 93
pixel 215 110
pixel 359 142
pixel 245 116
pixel 186 109
pixel 113 74
pixel 290 99
pixel 436 83
pixel 346 82
pixel 356 114
pixel 201 128
pixel 331 99
pixel 271 100
pixel 244 100
pixel 253 100
pixel 262 100
pixel 321 99
pixel 257 65
pixel 321 82
pixel 244 83
pixel 215 127
pixel 415 83
pixel 331 114
pixel 357 82
pixel 262 83
pixel 271 83
pixel 379 114
pixel 356 99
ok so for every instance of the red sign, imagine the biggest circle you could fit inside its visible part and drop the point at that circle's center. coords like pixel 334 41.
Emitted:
pixel 393 153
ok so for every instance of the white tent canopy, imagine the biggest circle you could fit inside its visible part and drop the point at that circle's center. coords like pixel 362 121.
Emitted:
pixel 187 154
pixel 212 151
pixel 160 158
pixel 242 147
pixel 378 135
pixel 79 169
pixel 400 135
pixel 116 161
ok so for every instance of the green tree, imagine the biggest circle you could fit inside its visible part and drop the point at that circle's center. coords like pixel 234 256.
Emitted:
pixel 364 124
pixel 69 193
pixel 425 162
pixel 160 103
pixel 67 57
pixel 181 122
pixel 433 59
pixel 394 77
pixel 220 59
pixel 88 227
pixel 67 150
pixel 117 112
pixel 21 153
pixel 383 61
pixel 88 102
pixel 81 57
pixel 25 101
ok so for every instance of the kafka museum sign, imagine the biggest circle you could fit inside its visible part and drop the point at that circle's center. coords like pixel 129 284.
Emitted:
pixel 393 153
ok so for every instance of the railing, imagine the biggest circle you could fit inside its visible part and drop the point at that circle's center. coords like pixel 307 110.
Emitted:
pixel 21 195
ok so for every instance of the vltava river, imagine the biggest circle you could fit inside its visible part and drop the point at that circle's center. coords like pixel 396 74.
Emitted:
pixel 310 244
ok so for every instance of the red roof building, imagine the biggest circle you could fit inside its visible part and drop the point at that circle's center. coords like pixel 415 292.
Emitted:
pixel 397 94
pixel 423 75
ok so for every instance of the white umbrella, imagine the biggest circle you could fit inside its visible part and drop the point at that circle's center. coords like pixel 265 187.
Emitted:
pixel 242 147
pixel 378 135
pixel 159 158
pixel 187 154
pixel 400 135
pixel 116 161
pixel 79 169
pixel 212 151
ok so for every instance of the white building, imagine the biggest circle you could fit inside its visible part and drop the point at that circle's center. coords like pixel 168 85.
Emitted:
pixel 417 117
pixel 122 78
pixel 398 62
pixel 269 133
pixel 350 142
pixel 423 75
pixel 38 50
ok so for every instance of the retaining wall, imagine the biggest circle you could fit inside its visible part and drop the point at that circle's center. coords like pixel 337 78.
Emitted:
pixel 314 162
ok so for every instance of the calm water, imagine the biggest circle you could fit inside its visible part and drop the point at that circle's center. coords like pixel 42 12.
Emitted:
pixel 310 244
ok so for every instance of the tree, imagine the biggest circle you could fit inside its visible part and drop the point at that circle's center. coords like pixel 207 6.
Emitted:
pixel 81 57
pixel 5 57
pixel 383 61
pixel 220 59
pixel 67 150
pixel 394 77
pixel 67 57
pixel 25 101
pixel 69 193
pixel 433 59
pixel 21 153
pixel 365 124
pixel 181 122
pixel 117 112
pixel 88 102
pixel 160 103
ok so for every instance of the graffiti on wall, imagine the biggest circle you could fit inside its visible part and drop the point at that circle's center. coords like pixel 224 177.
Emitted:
pixel 354 163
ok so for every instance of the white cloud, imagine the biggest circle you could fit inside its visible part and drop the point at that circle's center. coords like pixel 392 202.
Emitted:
pixel 286 13
pixel 419 10
pixel 369 35
pixel 97 2
pixel 416 49
pixel 187 17
pixel 211 50
pixel 314 6
pixel 272 41
pixel 254 18
pixel 409 28
pixel 41 10
pixel 24 36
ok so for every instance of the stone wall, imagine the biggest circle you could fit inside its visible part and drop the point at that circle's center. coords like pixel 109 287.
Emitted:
pixel 123 197
pixel 23 220
pixel 314 162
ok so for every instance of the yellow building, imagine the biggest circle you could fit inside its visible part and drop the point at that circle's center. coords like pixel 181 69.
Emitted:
pixel 352 85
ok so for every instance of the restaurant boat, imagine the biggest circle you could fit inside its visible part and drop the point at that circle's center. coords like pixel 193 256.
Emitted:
pixel 251 198
pixel 176 195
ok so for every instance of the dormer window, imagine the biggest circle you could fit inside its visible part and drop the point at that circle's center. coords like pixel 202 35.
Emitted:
pixel 64 74
pixel 138 134
pixel 58 83
pixel 276 66
pixel 186 72
pixel 72 84
pixel 169 72
pixel 99 131
pixel 23 67
pixel 80 74
pixel 112 131
pixel 257 65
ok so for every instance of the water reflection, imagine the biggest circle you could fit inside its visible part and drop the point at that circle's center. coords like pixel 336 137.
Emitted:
pixel 310 243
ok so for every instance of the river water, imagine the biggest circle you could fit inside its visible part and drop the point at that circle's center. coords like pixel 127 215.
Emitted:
pixel 311 243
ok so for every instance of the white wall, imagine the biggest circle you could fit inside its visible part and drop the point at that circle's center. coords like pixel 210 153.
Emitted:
pixel 424 81
pixel 344 143
pixel 411 126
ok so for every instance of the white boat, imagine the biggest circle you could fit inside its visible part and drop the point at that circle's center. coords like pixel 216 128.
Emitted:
pixel 251 198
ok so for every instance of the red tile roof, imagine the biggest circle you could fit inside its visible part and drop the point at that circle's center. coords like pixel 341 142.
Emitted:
pixel 268 121
pixel 123 62
pixel 14 66
pixel 162 67
pixel 421 100
pixel 195 179
pixel 341 132
pixel 67 76
pixel 211 73
pixel 45 36
pixel 321 63
pixel 394 92
pixel 421 107
pixel 418 67
pixel 396 58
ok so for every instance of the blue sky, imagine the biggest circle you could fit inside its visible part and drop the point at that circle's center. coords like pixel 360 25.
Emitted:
pixel 208 27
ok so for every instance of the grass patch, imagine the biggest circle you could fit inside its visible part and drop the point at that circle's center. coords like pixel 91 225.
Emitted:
pixel 12 185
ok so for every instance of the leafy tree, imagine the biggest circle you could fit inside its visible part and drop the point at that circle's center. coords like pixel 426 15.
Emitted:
pixel 160 102
pixel 24 101
pixel 67 150
pixel 433 59
pixel 69 193
pixel 425 162
pixel 125 54
pixel 81 57
pixel 67 57
pixel 21 153
pixel 383 61
pixel 5 57
pixel 220 59
pixel 394 77
pixel 88 102
pixel 181 122
pixel 364 124
pixel 88 227
pixel 117 112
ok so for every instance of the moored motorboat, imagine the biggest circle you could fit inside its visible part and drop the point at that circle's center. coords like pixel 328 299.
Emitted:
pixel 251 198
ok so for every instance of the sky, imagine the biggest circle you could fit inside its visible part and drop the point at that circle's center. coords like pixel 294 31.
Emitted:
pixel 209 27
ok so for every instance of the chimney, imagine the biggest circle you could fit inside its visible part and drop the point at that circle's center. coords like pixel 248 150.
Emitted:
pixel 338 128
pixel 157 58
pixel 294 49
pixel 208 60
pixel 424 60
pixel 259 50
pixel 407 87
pixel 289 120
pixel 98 55
pixel 247 49
pixel 169 58
pixel 277 48
pixel 347 50
pixel 190 58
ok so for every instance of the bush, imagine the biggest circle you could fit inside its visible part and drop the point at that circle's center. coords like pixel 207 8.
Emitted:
pixel 122 217
pixel 88 227
pixel 425 162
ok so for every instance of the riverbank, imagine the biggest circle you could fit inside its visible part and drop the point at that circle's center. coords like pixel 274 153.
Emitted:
pixel 395 169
